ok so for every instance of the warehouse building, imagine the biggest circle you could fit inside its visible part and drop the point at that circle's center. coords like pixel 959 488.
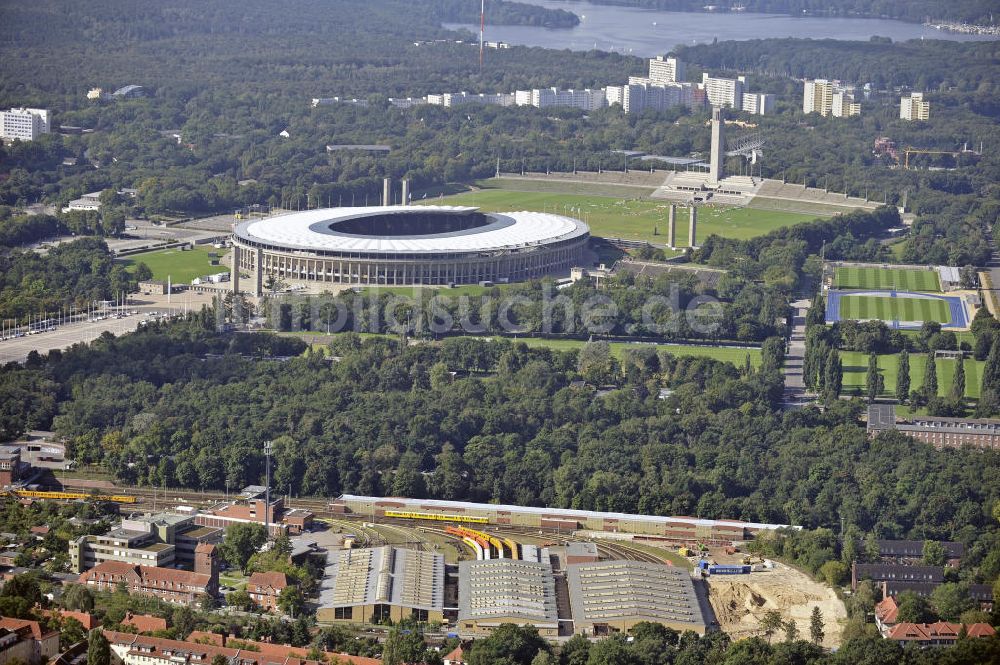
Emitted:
pixel 494 592
pixel 681 530
pixel 375 584
pixel 609 597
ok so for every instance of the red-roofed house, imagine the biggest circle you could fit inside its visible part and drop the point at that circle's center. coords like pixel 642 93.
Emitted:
pixel 204 637
pixel 941 633
pixel 87 620
pixel 264 588
pixel 455 657
pixel 174 586
pixel 129 649
pixel 144 623
pixel 886 612
pixel 26 641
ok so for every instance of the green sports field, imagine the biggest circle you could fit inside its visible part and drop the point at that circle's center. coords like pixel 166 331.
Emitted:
pixel 180 266
pixel 630 219
pixel 856 372
pixel 900 279
pixel 885 308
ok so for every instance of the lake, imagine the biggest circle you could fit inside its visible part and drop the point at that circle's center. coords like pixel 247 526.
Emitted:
pixel 646 33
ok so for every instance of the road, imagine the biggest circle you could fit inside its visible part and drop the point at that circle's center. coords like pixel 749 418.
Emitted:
pixel 65 336
pixel 795 388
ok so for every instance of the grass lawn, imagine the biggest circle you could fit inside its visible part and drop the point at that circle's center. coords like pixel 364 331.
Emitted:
pixel 733 355
pixel 856 371
pixel 631 219
pixel 901 279
pixel 180 266
pixel 894 309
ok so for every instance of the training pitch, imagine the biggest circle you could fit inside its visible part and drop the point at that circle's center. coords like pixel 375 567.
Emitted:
pixel 631 219
pixel 900 309
pixel 904 279
pixel 180 266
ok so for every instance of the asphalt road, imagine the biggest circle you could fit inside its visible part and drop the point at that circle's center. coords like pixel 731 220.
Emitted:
pixel 794 384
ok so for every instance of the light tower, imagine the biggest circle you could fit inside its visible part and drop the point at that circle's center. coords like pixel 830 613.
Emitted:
pixel 267 489
pixel 672 226
pixel 716 170
pixel 482 31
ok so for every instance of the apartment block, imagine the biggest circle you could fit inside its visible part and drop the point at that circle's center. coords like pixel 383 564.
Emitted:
pixel 914 107
pixel 24 124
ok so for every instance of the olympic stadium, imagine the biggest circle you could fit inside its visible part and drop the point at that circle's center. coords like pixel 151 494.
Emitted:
pixel 406 245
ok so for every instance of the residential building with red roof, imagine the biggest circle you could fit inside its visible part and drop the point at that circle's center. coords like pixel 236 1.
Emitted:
pixel 264 588
pixel 26 641
pixel 144 623
pixel 886 613
pixel 174 586
pixel 941 633
pixel 130 649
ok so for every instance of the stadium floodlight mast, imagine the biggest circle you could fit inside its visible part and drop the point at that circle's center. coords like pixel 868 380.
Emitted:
pixel 268 447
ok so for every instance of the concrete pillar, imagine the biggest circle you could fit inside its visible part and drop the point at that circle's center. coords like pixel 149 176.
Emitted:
pixel 693 227
pixel 387 191
pixel 672 226
pixel 406 193
pixel 717 160
pixel 258 289
pixel 235 270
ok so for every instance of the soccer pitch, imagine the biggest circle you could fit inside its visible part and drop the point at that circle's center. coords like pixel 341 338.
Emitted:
pixel 899 279
pixel 886 308
pixel 856 373
pixel 630 219
pixel 180 266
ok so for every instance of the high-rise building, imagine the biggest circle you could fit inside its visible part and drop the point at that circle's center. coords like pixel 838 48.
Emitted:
pixel 829 98
pixel 843 105
pixel 724 93
pixel 817 97
pixel 758 103
pixel 24 123
pixel 914 107
pixel 666 70
pixel 641 94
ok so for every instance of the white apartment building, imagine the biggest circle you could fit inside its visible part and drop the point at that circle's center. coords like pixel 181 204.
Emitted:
pixel 586 99
pixel 724 93
pixel 640 94
pixel 758 103
pixel 843 105
pixel 914 107
pixel 829 98
pixel 24 123
pixel 666 70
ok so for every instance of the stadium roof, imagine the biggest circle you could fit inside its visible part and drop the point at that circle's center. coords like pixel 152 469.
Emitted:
pixel 315 230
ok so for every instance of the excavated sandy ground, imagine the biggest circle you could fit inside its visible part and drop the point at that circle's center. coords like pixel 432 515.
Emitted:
pixel 739 602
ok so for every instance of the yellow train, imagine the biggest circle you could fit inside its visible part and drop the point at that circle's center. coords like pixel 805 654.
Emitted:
pixel 71 496
pixel 436 517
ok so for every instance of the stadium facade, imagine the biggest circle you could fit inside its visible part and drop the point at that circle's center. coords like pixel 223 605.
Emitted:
pixel 405 245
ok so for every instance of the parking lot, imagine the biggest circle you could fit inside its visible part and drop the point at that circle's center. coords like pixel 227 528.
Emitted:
pixel 65 336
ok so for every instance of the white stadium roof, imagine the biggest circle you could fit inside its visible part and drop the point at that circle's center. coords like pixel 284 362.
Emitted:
pixel 311 230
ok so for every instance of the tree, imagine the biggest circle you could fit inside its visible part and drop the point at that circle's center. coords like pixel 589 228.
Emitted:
pixel 874 381
pixel 914 608
pixel 834 572
pixel 71 632
pixel 934 553
pixel 903 377
pixel 515 645
pixel 219 659
pixel 290 600
pixel 816 633
pixel 958 382
pixel 991 370
pixel 771 623
pixel 143 272
pixel 78 597
pixel 240 599
pixel 930 387
pixel 241 542
pixel 98 649
pixel 950 600
pixel 833 375
pixel 791 631
pixel 402 647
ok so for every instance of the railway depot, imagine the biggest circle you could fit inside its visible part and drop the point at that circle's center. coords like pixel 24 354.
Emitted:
pixel 682 530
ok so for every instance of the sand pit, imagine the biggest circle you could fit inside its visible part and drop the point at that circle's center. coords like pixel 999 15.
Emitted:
pixel 739 602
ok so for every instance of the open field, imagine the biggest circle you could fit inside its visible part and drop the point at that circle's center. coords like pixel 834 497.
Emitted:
pixel 856 370
pixel 631 219
pixel 180 266
pixel 887 308
pixel 896 279
pixel 740 601
pixel 735 355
